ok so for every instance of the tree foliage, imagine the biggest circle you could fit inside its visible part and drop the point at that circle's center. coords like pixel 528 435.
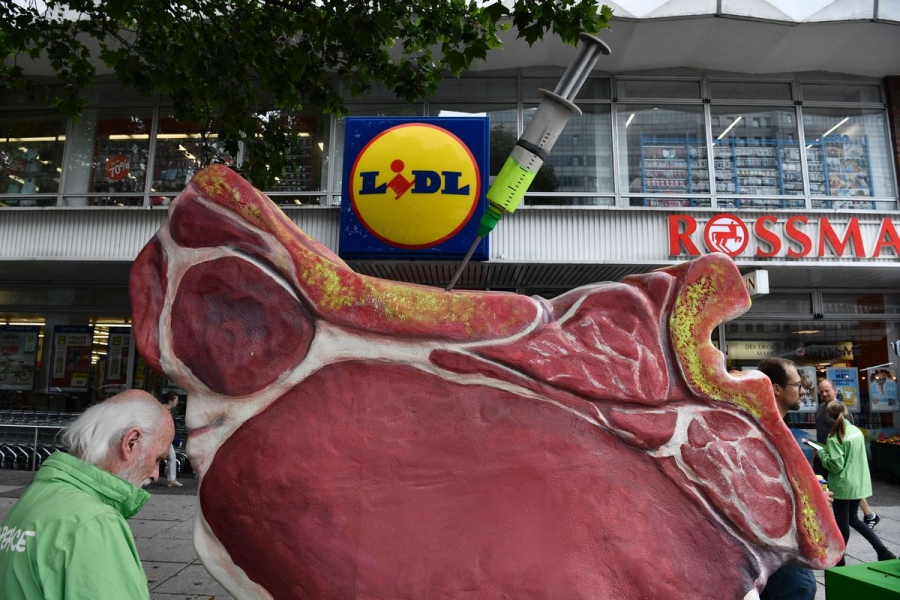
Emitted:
pixel 227 64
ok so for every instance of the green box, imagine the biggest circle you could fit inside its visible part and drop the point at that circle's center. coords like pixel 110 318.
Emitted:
pixel 886 459
pixel 868 581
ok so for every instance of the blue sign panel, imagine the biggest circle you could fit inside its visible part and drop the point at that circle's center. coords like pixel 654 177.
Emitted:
pixel 413 188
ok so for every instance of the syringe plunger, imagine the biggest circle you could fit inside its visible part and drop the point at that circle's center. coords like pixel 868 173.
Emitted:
pixel 590 48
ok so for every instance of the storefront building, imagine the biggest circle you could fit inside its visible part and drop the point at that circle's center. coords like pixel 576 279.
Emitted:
pixel 734 126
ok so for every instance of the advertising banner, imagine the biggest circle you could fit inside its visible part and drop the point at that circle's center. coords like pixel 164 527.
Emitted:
pixel 846 386
pixel 883 390
pixel 119 360
pixel 70 363
pixel 809 397
pixel 414 188
pixel 140 374
pixel 18 357
pixel 760 349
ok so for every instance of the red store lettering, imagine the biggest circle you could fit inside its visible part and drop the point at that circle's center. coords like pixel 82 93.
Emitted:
pixel 796 237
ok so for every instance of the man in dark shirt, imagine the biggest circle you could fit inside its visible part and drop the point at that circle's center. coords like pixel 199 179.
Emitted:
pixel 788 582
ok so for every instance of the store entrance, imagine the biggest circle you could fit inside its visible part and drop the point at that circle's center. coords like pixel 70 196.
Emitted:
pixel 855 355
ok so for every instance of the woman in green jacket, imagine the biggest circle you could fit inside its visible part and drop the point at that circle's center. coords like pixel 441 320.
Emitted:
pixel 844 456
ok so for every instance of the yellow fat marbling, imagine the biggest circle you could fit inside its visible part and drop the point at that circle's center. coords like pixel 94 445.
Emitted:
pixel 685 317
pixel 810 520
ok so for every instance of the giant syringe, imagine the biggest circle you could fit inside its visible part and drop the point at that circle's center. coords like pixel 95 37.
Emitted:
pixel 530 152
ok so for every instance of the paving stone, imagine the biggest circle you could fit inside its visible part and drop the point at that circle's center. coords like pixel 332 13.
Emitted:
pixel 166 550
pixel 169 508
pixel 160 572
pixel 180 531
pixel 147 528
pixel 5 505
pixel 193 579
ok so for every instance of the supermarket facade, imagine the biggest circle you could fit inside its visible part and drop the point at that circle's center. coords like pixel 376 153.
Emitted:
pixel 768 130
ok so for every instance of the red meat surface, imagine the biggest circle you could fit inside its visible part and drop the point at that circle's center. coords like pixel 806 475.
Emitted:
pixel 364 439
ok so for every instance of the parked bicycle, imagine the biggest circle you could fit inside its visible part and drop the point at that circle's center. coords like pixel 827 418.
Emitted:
pixel 14 368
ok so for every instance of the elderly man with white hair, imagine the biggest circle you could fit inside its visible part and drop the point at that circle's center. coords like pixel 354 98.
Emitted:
pixel 67 537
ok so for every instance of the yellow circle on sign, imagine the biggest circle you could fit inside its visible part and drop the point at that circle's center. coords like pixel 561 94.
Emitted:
pixel 414 185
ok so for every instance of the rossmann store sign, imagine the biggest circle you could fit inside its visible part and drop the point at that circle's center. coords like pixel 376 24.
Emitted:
pixel 785 236
pixel 413 188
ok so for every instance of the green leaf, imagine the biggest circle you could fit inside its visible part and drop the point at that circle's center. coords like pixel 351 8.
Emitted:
pixel 226 63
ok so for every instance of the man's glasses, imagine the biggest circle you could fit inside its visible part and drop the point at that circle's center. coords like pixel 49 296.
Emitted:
pixel 799 385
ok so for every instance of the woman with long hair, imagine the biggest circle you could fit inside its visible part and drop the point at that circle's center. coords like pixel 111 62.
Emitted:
pixel 844 455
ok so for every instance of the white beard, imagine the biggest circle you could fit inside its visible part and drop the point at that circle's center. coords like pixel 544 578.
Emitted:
pixel 131 473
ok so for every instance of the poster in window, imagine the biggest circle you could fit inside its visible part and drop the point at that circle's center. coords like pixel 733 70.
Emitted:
pixel 70 364
pixel 846 386
pixel 809 398
pixel 140 374
pixel 18 357
pixel 119 360
pixel 883 390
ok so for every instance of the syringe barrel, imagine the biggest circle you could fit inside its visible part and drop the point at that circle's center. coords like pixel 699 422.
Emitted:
pixel 590 48
pixel 547 122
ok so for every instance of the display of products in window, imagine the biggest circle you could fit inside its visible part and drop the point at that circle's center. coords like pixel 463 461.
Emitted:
pixel 841 166
pixel 758 166
pixel 30 162
pixel 118 167
pixel 297 175
pixel 25 171
pixel 673 165
pixel 178 159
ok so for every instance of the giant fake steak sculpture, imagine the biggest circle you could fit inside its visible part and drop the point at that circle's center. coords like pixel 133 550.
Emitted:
pixel 366 439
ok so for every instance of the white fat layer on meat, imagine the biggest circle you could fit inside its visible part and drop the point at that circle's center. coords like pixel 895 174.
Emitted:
pixel 672 449
pixel 218 562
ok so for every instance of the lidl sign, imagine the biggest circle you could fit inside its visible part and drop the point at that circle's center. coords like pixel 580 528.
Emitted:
pixel 413 187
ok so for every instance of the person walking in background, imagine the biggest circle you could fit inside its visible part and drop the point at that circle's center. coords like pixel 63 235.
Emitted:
pixel 844 455
pixel 170 401
pixel 823 426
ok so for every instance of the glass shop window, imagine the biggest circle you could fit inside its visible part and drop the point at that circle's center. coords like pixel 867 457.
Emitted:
pixel 108 158
pixel 594 88
pixel 182 149
pixel 850 353
pixel 747 90
pixel 659 88
pixel 581 159
pixel 860 304
pixel 849 158
pixel 31 151
pixel 476 88
pixel 756 152
pixel 798 303
pixel 841 92
pixel 305 165
pixel 662 149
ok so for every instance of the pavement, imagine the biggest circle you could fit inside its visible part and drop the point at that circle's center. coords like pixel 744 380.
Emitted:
pixel 163 532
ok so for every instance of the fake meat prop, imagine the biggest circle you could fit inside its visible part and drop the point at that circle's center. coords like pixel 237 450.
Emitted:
pixel 366 439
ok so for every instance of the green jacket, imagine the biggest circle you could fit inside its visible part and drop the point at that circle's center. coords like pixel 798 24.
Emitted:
pixel 848 465
pixel 66 537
